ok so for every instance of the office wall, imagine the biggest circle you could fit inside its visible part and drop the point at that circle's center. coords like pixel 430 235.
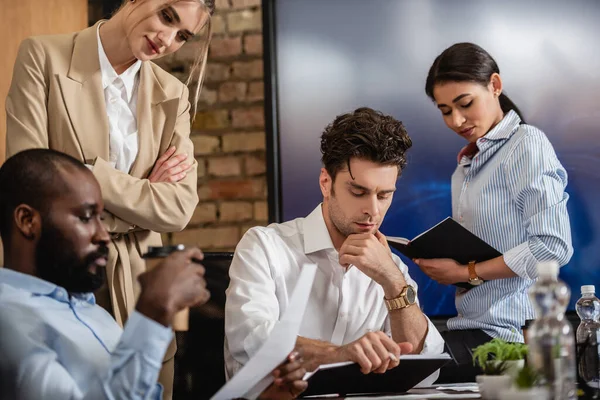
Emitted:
pixel 22 18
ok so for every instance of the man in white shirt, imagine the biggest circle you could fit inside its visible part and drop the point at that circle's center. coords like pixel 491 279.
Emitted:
pixel 363 304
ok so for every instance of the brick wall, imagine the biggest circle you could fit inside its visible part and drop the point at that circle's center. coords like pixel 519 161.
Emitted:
pixel 228 131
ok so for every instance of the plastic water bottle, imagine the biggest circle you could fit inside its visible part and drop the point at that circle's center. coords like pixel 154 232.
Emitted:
pixel 550 338
pixel 588 337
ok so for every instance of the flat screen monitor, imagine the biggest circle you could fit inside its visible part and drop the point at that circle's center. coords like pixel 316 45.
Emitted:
pixel 328 57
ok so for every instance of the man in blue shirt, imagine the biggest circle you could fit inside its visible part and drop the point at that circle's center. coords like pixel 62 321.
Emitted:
pixel 55 342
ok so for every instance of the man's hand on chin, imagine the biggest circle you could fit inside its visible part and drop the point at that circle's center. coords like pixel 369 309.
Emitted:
pixel 371 254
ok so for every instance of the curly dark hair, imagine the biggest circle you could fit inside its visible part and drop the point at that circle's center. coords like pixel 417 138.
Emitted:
pixel 366 134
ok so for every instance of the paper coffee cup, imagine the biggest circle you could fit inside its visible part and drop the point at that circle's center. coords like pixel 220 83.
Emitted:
pixel 182 318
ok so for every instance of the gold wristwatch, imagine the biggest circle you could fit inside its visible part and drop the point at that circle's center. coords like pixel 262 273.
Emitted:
pixel 407 298
pixel 474 279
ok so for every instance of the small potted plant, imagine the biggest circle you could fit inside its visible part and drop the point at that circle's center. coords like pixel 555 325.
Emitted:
pixel 499 361
pixel 525 387
pixel 498 350
pixel 493 379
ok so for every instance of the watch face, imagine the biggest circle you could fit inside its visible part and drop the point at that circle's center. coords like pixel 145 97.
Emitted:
pixel 476 281
pixel 411 295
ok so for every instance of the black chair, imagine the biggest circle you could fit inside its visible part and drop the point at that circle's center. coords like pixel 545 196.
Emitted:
pixel 199 364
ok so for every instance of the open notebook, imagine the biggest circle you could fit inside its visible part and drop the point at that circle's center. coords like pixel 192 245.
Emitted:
pixel 447 239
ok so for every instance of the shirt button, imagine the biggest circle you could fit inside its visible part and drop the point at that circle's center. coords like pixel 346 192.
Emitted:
pixel 113 100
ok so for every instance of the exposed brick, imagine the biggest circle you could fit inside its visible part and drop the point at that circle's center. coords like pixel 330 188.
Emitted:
pixel 261 211
pixel 232 91
pixel 218 25
pixel 235 211
pixel 207 238
pixel 189 52
pixel 216 72
pixel 205 144
pixel 201 170
pixel 221 5
pixel 243 21
pixel 208 96
pixel 204 213
pixel 243 142
pixel 225 47
pixel 256 91
pixel 234 189
pixel 253 44
pixel 214 119
pixel 248 117
pixel 255 165
pixel 166 238
pixel 204 191
pixel 224 166
pixel 247 69
pixel 244 3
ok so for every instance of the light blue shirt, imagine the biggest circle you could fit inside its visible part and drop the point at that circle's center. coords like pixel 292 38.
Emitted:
pixel 53 346
pixel 512 195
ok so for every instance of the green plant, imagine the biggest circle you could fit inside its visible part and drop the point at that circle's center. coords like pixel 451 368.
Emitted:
pixel 494 367
pixel 526 378
pixel 497 350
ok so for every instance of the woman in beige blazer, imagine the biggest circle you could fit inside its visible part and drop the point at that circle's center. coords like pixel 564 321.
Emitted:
pixel 60 98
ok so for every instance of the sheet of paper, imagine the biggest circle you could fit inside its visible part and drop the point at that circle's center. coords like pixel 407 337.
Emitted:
pixel 256 376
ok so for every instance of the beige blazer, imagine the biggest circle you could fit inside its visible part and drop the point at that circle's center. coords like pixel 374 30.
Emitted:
pixel 56 101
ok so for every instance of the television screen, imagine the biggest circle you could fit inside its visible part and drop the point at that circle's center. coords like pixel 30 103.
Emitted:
pixel 332 56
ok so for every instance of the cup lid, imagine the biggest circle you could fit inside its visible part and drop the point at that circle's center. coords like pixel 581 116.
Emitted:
pixel 162 251
pixel 586 289
pixel 548 269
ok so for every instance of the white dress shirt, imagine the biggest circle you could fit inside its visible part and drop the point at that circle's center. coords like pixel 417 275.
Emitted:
pixel 343 306
pixel 120 95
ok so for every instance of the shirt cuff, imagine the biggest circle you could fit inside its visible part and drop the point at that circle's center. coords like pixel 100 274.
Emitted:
pixel 146 336
pixel 434 343
pixel 520 260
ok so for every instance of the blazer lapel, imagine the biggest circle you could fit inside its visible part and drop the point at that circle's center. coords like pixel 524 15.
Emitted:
pixel 156 116
pixel 84 96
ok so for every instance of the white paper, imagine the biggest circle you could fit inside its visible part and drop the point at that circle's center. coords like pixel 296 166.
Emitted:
pixel 256 376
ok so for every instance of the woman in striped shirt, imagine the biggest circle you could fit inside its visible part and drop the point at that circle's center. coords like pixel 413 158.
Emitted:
pixel 509 189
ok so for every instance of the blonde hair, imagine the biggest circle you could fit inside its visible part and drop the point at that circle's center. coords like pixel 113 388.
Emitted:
pixel 198 68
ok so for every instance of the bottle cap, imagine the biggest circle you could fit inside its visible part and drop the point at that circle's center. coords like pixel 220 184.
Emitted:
pixel 548 269
pixel 588 289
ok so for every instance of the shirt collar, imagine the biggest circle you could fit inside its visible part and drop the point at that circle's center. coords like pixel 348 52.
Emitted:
pixel 39 286
pixel 109 74
pixel 502 131
pixel 316 235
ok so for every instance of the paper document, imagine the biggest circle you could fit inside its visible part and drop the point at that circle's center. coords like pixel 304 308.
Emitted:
pixel 256 376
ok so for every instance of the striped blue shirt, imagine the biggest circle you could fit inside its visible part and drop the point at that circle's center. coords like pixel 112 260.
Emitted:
pixel 512 195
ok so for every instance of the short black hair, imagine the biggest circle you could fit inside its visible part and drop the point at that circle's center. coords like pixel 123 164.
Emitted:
pixel 365 134
pixel 32 177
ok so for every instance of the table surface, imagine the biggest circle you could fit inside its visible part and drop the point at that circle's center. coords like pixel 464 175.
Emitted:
pixel 459 391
